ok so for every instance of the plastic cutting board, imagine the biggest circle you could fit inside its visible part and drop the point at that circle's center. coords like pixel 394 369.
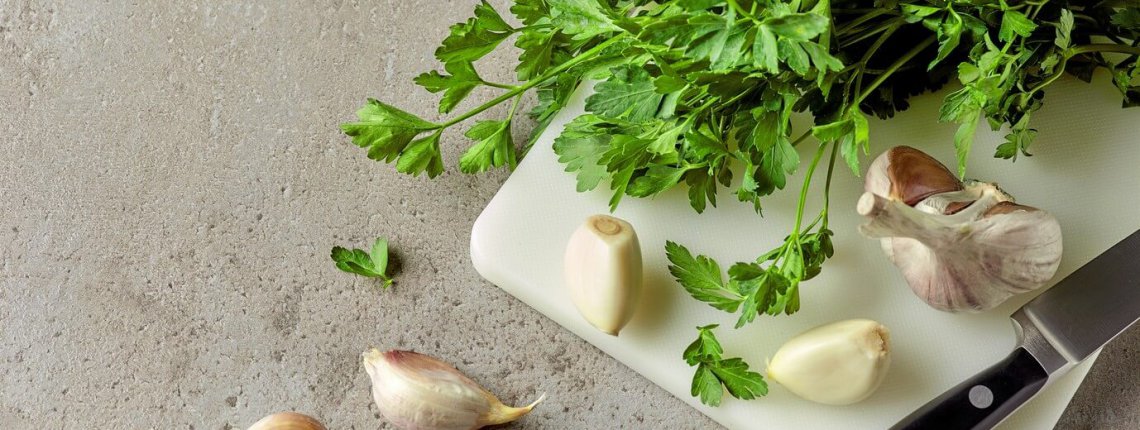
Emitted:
pixel 1086 171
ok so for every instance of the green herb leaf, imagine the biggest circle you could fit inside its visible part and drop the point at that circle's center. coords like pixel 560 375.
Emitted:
pixel 1063 34
pixel 385 130
pixel 765 53
pixel 963 140
pixel 705 348
pixel 530 12
pixel 360 262
pixel 422 155
pixel 716 374
pixel 1015 23
pixel 738 380
pixel 701 277
pixel 537 55
pixel 860 139
pixel 629 93
pixel 581 19
pixel 949 36
pixel 494 147
pixel 456 86
pixel 798 26
pixel 580 147
pixel 706 385
pixel 475 38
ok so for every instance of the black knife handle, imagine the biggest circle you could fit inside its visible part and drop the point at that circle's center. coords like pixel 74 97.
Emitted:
pixel 984 400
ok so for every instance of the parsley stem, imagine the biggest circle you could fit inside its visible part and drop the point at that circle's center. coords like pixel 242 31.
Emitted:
pixel 498 85
pixel 863 35
pixel 827 183
pixel 550 74
pixel 739 10
pixel 1103 47
pixel 893 67
pixel 862 19
pixel 826 190
pixel 804 190
pixel 1072 52
pixel 514 107
pixel 870 52
pixel 801 138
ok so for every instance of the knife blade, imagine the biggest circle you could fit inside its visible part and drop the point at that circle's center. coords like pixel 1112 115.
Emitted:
pixel 1055 331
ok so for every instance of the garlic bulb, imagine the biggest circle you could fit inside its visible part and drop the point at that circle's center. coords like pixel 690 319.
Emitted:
pixel 603 272
pixel 418 392
pixel 960 246
pixel 287 421
pixel 835 364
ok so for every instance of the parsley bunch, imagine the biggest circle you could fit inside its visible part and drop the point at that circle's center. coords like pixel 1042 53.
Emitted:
pixel 695 92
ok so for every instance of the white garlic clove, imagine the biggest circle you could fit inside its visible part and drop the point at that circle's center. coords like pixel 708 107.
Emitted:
pixel 287 421
pixel 961 247
pixel 835 364
pixel 417 392
pixel 603 272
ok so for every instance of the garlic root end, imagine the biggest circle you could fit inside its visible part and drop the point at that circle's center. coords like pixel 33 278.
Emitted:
pixel 506 414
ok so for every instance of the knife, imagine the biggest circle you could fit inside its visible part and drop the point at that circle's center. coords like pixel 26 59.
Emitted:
pixel 1055 331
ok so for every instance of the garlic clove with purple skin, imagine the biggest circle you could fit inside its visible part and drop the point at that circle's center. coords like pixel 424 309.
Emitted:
pixel 417 392
pixel 960 246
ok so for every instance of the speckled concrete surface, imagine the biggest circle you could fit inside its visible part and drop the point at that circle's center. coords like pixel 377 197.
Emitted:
pixel 172 179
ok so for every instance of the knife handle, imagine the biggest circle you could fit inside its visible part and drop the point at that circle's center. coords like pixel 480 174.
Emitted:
pixel 983 400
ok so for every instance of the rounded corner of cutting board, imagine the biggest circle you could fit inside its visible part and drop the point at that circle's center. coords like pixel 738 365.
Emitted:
pixel 483 247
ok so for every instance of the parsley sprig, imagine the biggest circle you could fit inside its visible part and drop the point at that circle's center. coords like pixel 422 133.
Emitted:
pixel 369 264
pixel 715 374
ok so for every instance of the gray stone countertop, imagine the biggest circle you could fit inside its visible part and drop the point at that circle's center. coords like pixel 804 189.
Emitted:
pixel 172 180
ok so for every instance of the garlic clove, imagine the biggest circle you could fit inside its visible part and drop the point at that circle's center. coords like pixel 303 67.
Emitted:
pixel 602 268
pixel 965 247
pixel 417 392
pixel 287 421
pixel 907 174
pixel 835 364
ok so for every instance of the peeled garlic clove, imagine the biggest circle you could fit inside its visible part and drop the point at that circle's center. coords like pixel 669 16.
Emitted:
pixel 603 272
pixel 835 364
pixel 287 421
pixel 960 246
pixel 418 392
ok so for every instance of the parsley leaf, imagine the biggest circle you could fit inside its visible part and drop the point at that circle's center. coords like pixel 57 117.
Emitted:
pixel 471 40
pixel 372 264
pixel 628 94
pixel 701 277
pixel 798 26
pixel 422 155
pixel 582 19
pixel 537 53
pixel 580 147
pixel 387 132
pixel 455 87
pixel 495 148
pixel 716 374
pixel 1015 23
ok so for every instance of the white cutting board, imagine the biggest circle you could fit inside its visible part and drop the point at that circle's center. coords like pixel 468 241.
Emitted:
pixel 1086 171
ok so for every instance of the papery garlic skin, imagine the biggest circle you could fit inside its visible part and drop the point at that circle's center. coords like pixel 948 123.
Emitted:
pixel 960 246
pixel 417 392
pixel 835 364
pixel 602 269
